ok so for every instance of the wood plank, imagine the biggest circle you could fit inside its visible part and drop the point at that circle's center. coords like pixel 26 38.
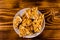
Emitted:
pixel 7 27
pixel 39 4
pixel 18 4
pixel 49 34
pixel 53 27
pixel 46 34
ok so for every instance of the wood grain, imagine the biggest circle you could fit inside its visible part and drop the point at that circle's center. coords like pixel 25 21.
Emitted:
pixel 50 9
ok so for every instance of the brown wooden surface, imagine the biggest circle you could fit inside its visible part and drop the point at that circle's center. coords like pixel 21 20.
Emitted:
pixel 8 8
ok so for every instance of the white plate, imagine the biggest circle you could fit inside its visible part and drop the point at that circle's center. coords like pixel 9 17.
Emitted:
pixel 31 36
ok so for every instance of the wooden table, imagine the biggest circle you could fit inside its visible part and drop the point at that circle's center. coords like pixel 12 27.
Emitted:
pixel 51 10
